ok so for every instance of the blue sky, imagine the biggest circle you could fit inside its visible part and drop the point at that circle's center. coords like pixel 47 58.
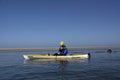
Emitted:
pixel 43 23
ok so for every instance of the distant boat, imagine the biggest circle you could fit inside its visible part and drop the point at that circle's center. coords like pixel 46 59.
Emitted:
pixel 109 51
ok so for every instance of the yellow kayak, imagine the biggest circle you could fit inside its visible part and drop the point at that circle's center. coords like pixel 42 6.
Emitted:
pixel 51 56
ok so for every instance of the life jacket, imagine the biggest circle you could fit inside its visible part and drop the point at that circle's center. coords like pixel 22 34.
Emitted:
pixel 63 51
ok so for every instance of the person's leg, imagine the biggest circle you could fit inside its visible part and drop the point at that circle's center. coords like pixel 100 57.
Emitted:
pixel 55 54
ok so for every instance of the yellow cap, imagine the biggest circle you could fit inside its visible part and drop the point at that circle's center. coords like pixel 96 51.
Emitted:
pixel 61 43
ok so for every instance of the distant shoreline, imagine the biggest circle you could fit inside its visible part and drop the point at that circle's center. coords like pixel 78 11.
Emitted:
pixel 56 48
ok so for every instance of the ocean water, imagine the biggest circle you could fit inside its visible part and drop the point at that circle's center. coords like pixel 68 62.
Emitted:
pixel 100 66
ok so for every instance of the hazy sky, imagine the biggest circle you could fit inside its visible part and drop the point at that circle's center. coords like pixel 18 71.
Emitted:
pixel 43 23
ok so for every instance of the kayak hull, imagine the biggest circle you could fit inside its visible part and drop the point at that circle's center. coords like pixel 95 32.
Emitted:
pixel 51 56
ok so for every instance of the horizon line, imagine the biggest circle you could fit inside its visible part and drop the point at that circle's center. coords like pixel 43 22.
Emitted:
pixel 55 48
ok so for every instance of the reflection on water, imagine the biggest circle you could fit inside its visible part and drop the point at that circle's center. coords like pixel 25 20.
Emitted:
pixel 60 65
pixel 58 61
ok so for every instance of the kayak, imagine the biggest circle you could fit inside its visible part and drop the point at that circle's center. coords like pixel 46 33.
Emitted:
pixel 52 56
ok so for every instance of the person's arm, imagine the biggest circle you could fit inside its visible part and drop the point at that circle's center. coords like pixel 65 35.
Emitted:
pixel 65 51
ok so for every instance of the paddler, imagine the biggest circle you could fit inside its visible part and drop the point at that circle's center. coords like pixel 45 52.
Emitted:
pixel 62 50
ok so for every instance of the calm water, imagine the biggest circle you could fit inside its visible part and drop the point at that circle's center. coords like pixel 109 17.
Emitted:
pixel 101 66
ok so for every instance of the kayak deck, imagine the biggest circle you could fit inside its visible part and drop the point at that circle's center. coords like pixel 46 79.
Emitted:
pixel 52 56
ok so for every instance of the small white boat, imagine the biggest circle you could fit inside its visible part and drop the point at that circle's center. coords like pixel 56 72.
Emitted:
pixel 52 56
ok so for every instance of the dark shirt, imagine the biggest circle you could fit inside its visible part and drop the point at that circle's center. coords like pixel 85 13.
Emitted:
pixel 63 50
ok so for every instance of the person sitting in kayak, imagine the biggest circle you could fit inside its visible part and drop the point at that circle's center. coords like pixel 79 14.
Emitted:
pixel 62 50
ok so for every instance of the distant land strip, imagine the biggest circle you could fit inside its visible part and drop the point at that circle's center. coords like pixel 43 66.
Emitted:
pixel 10 49
pixel 56 48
